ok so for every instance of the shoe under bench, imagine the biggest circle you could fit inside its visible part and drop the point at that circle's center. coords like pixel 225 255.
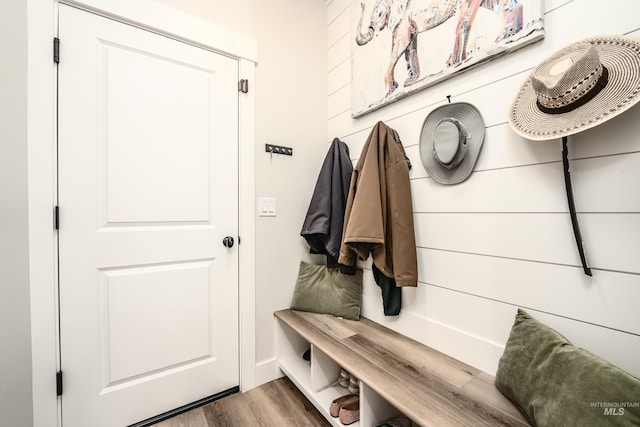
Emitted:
pixel 397 375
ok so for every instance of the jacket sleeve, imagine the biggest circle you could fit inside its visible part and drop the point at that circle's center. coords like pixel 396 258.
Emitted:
pixel 347 256
pixel 316 226
pixel 401 237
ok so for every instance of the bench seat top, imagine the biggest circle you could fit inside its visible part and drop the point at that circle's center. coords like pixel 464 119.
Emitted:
pixel 426 385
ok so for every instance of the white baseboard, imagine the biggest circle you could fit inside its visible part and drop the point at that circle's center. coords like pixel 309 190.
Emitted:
pixel 267 370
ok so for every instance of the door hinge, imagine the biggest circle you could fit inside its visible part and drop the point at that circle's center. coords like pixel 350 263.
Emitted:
pixel 56 50
pixel 56 217
pixel 243 85
pixel 59 383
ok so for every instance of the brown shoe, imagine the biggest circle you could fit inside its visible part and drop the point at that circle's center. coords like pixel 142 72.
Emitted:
pixel 334 409
pixel 350 413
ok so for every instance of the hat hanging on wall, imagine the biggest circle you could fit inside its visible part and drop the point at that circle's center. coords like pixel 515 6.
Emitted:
pixel 580 86
pixel 450 142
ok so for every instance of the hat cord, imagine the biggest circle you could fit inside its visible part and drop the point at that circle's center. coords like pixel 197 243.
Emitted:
pixel 572 207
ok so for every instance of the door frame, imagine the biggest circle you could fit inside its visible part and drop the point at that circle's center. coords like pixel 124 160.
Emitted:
pixel 42 186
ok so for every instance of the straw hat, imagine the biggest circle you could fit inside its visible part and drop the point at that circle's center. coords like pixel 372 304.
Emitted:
pixel 580 86
pixel 450 142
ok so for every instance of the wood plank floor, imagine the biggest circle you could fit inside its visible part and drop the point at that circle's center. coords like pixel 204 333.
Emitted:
pixel 276 403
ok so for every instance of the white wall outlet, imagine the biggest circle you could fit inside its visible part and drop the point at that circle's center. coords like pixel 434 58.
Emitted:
pixel 267 206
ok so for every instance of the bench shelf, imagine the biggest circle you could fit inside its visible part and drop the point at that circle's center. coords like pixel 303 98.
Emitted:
pixel 397 374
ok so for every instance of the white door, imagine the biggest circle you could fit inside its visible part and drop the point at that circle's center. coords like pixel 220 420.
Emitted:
pixel 148 147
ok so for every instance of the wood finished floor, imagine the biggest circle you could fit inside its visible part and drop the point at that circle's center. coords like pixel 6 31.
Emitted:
pixel 276 403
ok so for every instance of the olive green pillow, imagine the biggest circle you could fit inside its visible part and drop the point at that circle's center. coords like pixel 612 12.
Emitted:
pixel 554 383
pixel 321 290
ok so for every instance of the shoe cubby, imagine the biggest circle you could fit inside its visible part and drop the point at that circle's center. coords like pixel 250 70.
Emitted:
pixel 324 371
pixel 318 379
pixel 290 350
pixel 374 408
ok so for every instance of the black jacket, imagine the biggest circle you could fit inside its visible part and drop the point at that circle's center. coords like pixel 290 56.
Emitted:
pixel 322 228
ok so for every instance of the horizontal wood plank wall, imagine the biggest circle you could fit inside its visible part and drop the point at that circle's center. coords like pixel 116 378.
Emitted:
pixel 503 238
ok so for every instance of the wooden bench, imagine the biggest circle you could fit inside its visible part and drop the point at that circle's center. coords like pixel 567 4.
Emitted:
pixel 397 374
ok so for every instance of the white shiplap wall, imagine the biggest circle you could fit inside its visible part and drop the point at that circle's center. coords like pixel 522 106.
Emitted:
pixel 503 239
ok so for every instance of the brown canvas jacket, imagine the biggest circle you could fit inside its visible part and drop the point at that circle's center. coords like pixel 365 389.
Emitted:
pixel 379 212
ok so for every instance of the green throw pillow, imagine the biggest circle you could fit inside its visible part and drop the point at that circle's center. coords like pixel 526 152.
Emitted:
pixel 554 383
pixel 320 290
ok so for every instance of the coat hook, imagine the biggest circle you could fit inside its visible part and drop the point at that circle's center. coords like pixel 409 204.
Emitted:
pixel 278 149
pixel 449 98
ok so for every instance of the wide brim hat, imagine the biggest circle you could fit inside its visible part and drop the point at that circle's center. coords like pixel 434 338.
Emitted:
pixel 450 142
pixel 578 87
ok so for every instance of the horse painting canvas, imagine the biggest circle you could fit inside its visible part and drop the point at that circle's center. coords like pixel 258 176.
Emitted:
pixel 402 46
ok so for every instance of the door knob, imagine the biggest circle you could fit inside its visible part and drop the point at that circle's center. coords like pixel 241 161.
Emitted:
pixel 228 241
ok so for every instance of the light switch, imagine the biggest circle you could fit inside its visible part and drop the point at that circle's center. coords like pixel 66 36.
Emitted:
pixel 267 206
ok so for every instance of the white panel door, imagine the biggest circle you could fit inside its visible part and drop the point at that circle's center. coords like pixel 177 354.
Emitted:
pixel 148 190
